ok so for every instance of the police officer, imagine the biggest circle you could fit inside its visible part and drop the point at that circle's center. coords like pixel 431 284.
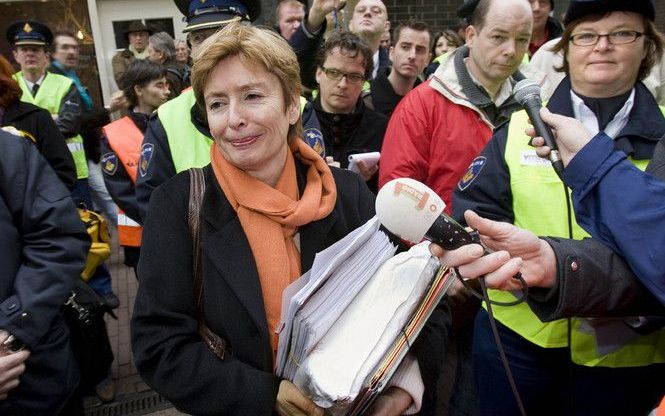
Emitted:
pixel 53 92
pixel 172 145
pixel 145 86
pixel 58 95
pixel 43 246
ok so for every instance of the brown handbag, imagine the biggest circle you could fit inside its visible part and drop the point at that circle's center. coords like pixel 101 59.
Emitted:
pixel 196 190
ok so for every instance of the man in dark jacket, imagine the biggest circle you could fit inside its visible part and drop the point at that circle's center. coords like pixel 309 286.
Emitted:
pixel 348 126
pixel 44 246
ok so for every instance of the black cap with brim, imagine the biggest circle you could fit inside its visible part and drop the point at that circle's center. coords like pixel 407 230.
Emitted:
pixel 209 14
pixel 29 32
pixel 581 8
pixel 465 11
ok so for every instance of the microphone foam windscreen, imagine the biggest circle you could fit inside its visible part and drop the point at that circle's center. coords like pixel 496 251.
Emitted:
pixel 526 89
pixel 408 208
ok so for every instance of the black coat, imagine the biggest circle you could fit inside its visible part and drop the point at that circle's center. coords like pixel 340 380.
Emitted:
pixel 168 352
pixel 50 142
pixel 44 247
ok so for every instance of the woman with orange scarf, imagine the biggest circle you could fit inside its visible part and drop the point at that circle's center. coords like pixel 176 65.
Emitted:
pixel 271 203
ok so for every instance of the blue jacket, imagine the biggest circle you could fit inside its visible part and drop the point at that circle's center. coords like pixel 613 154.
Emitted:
pixel 44 247
pixel 622 206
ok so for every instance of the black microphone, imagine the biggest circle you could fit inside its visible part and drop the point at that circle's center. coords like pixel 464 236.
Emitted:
pixel 527 93
pixel 413 212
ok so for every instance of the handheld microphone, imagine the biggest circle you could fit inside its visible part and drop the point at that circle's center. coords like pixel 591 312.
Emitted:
pixel 413 212
pixel 527 93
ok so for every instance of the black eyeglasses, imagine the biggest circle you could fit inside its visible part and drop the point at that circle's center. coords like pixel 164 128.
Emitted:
pixel 620 37
pixel 336 75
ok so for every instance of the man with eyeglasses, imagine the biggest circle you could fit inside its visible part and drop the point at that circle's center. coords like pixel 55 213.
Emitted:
pixel 369 20
pixel 348 126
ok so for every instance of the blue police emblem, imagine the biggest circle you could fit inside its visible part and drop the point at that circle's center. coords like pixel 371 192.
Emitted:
pixel 146 156
pixel 472 172
pixel 109 163
pixel 314 139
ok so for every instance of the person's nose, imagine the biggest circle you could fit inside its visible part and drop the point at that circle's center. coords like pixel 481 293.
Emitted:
pixel 236 115
pixel 603 43
pixel 510 48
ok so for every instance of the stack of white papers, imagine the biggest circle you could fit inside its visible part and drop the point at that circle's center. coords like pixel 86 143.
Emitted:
pixel 336 370
pixel 311 304
pixel 349 321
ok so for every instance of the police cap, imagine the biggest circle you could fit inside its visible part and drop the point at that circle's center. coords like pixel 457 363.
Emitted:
pixel 581 8
pixel 205 14
pixel 29 32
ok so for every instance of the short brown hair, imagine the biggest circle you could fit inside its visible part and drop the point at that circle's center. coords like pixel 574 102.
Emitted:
pixel 653 43
pixel 416 25
pixel 254 46
pixel 349 45
pixel 10 91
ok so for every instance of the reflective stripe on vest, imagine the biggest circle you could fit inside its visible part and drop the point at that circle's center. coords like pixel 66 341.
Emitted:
pixel 52 91
pixel 125 140
pixel 536 189
pixel 189 147
pixel 129 231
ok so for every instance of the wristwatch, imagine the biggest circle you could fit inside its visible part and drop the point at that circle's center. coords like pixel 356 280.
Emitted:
pixel 12 345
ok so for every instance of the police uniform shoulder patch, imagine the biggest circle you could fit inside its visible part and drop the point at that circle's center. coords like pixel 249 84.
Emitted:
pixel 21 133
pixel 472 172
pixel 314 139
pixel 146 155
pixel 109 163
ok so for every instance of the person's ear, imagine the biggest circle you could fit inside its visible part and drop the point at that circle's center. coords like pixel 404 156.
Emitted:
pixel 470 34
pixel 293 112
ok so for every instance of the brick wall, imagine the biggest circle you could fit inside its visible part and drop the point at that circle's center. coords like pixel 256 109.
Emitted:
pixel 660 16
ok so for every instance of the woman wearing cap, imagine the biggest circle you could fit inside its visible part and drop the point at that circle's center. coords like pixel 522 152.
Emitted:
pixel 270 204
pixel 575 366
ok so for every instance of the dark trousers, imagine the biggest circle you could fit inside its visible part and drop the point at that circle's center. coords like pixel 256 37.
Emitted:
pixel 550 384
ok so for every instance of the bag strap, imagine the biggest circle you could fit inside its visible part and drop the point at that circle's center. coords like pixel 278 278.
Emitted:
pixel 196 191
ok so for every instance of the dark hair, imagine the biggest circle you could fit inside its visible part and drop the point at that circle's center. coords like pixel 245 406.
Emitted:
pixel 10 91
pixel 413 24
pixel 57 33
pixel 653 44
pixel 450 35
pixel 480 14
pixel 349 45
pixel 139 73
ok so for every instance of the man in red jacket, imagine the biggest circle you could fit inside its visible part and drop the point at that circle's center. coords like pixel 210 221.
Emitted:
pixel 440 126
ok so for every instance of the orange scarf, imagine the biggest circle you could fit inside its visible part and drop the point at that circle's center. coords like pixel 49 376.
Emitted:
pixel 270 217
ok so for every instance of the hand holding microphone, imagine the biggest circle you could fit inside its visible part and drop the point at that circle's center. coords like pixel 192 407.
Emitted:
pixel 413 212
pixel 527 93
pixel 570 135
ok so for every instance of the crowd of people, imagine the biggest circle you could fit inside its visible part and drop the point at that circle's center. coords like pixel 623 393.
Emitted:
pixel 221 162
